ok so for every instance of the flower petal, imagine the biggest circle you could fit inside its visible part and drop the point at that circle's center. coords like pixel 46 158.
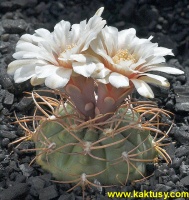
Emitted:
pixel 125 37
pixel 16 64
pixel 162 51
pixel 83 58
pixel 110 39
pixel 85 69
pixel 93 27
pixel 27 46
pixel 169 70
pixel 24 73
pixel 59 79
pixel 45 70
pixel 43 33
pixel 155 79
pixel 37 81
pixel 61 35
pixel 143 88
pixel 99 11
pixel 118 80
pixel 100 71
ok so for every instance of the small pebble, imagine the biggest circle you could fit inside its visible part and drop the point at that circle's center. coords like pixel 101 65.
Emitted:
pixel 185 181
pixel 48 193
pixel 5 142
pixel 14 26
pixel 174 178
pixel 17 191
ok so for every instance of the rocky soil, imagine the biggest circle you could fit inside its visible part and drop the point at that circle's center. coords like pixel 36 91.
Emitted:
pixel 167 21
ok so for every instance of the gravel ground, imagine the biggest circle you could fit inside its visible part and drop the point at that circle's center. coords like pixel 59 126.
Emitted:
pixel 167 21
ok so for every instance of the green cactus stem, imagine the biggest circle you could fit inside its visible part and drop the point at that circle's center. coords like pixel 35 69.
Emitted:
pixel 79 151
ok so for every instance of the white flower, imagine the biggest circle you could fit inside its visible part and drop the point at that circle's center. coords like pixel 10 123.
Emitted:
pixel 129 59
pixel 51 58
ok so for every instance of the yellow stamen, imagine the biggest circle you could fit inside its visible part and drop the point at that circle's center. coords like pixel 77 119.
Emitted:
pixel 69 47
pixel 123 55
pixel 66 64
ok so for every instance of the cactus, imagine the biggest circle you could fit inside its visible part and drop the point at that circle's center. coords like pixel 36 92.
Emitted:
pixel 80 151
pixel 93 132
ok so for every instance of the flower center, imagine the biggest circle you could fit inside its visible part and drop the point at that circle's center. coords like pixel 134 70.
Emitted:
pixel 68 48
pixel 123 55
pixel 64 57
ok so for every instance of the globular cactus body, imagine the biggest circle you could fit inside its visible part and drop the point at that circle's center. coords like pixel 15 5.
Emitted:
pixel 112 153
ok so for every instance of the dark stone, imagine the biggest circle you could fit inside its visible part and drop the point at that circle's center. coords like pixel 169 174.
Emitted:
pixel 176 163
pixel 182 151
pixel 128 8
pixel 170 104
pixel 171 150
pixel 1 106
pixel 5 162
pixel 162 188
pixel 5 79
pixel 167 3
pixel 6 6
pixel 24 3
pixel 26 145
pixel 9 98
pixel 161 171
pixel 81 198
pixel 5 37
pixel 48 193
pixel 1 29
pixel 26 169
pixel 149 15
pixel 4 47
pixel 13 165
pixel 174 178
pixel 2 95
pixel 5 142
pixel 2 156
pixel 182 134
pixel 171 171
pixel 20 178
pixel 181 91
pixel 8 134
pixel 170 184
pixel 181 78
pixel 24 104
pixel 57 8
pixel 17 191
pixel 184 170
pixel 181 35
pixel 39 8
pixel 182 104
pixel 127 188
pixel 14 26
pixel 46 177
pixel 185 181
pixel 67 197
pixel 13 38
pixel 37 183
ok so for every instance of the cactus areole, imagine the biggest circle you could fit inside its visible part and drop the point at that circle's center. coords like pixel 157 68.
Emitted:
pixel 112 152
